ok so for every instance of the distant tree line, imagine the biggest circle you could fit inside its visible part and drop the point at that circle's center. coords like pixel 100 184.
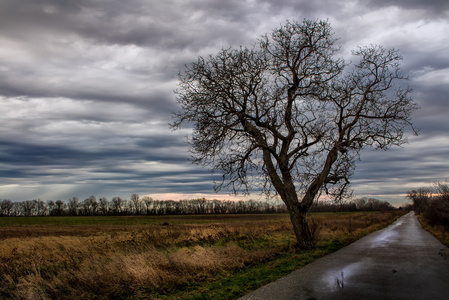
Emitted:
pixel 136 205
pixel 359 204
pixel 432 203
pixel 92 206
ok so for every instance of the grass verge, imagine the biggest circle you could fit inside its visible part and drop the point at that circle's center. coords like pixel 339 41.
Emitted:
pixel 438 231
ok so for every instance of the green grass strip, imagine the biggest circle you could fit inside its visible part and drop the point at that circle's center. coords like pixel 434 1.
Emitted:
pixel 235 284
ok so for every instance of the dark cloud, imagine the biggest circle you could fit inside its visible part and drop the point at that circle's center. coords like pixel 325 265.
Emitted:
pixel 433 8
pixel 86 89
pixel 162 25
pixel 20 154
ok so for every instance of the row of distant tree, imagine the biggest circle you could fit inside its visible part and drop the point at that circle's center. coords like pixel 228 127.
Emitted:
pixel 359 204
pixel 147 206
pixel 134 206
pixel 432 202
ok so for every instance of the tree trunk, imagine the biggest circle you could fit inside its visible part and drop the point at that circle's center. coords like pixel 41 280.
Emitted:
pixel 286 189
pixel 301 227
pixel 298 210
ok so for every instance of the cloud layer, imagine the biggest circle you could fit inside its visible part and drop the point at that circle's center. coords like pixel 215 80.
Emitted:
pixel 86 89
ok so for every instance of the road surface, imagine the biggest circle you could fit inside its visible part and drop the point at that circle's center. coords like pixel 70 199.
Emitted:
pixel 402 261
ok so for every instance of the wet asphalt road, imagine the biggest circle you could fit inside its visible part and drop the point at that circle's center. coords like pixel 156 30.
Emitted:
pixel 402 261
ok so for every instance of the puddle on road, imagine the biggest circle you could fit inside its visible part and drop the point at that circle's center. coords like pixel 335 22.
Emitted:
pixel 350 275
pixel 384 238
pixel 337 279
pixel 398 222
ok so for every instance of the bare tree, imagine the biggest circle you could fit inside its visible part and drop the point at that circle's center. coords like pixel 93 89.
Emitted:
pixel 148 202
pixel 6 207
pixel 50 206
pixel 28 208
pixel 432 203
pixel 440 203
pixel 58 208
pixel 420 199
pixel 370 204
pixel 117 205
pixel 136 203
pixel 90 206
pixel 73 206
pixel 104 205
pixel 441 189
pixel 41 208
pixel 287 116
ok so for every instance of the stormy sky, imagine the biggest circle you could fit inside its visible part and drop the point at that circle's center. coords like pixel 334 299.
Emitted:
pixel 86 90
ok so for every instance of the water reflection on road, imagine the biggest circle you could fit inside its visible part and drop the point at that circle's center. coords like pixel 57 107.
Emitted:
pixel 338 279
pixel 385 238
pixel 350 275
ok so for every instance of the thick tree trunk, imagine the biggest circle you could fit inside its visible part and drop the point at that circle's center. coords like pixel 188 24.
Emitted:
pixel 286 189
pixel 298 210
pixel 301 227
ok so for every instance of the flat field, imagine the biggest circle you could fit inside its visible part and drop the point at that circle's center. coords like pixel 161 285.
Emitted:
pixel 162 257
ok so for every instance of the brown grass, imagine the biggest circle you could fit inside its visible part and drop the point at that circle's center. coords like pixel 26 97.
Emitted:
pixel 438 231
pixel 118 261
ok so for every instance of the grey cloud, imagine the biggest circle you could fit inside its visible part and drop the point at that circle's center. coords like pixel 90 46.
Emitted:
pixel 434 8
pixel 161 25
pixel 422 161
pixel 31 164
pixel 304 8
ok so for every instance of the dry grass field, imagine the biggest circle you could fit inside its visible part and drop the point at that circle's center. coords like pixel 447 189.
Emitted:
pixel 156 257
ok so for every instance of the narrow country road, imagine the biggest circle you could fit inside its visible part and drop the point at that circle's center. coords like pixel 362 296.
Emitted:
pixel 402 261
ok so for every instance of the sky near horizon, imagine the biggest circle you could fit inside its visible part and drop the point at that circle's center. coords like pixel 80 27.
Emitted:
pixel 86 90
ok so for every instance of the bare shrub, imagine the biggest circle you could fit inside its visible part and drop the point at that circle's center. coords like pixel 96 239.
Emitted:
pixel 433 203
